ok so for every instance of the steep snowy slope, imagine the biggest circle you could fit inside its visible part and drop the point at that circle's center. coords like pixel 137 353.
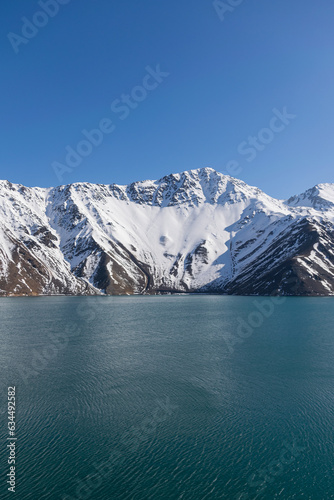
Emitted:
pixel 30 258
pixel 194 231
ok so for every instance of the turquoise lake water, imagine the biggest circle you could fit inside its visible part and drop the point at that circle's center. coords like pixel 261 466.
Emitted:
pixel 170 397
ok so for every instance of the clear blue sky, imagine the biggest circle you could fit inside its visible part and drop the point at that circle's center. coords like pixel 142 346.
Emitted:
pixel 225 78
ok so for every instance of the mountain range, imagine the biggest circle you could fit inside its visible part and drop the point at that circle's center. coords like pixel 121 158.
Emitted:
pixel 195 231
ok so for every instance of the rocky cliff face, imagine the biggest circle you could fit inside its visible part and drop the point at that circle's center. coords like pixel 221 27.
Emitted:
pixel 194 231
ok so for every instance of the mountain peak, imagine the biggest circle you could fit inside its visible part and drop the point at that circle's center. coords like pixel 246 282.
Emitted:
pixel 203 171
pixel 320 197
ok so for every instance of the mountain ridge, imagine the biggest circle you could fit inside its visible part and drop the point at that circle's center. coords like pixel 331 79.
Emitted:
pixel 194 231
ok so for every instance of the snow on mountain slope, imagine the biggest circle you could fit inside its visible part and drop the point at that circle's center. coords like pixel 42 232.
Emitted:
pixel 194 231
pixel 321 197
pixel 30 258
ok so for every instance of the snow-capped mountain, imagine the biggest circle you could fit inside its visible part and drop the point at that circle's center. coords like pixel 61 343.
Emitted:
pixel 320 197
pixel 194 231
